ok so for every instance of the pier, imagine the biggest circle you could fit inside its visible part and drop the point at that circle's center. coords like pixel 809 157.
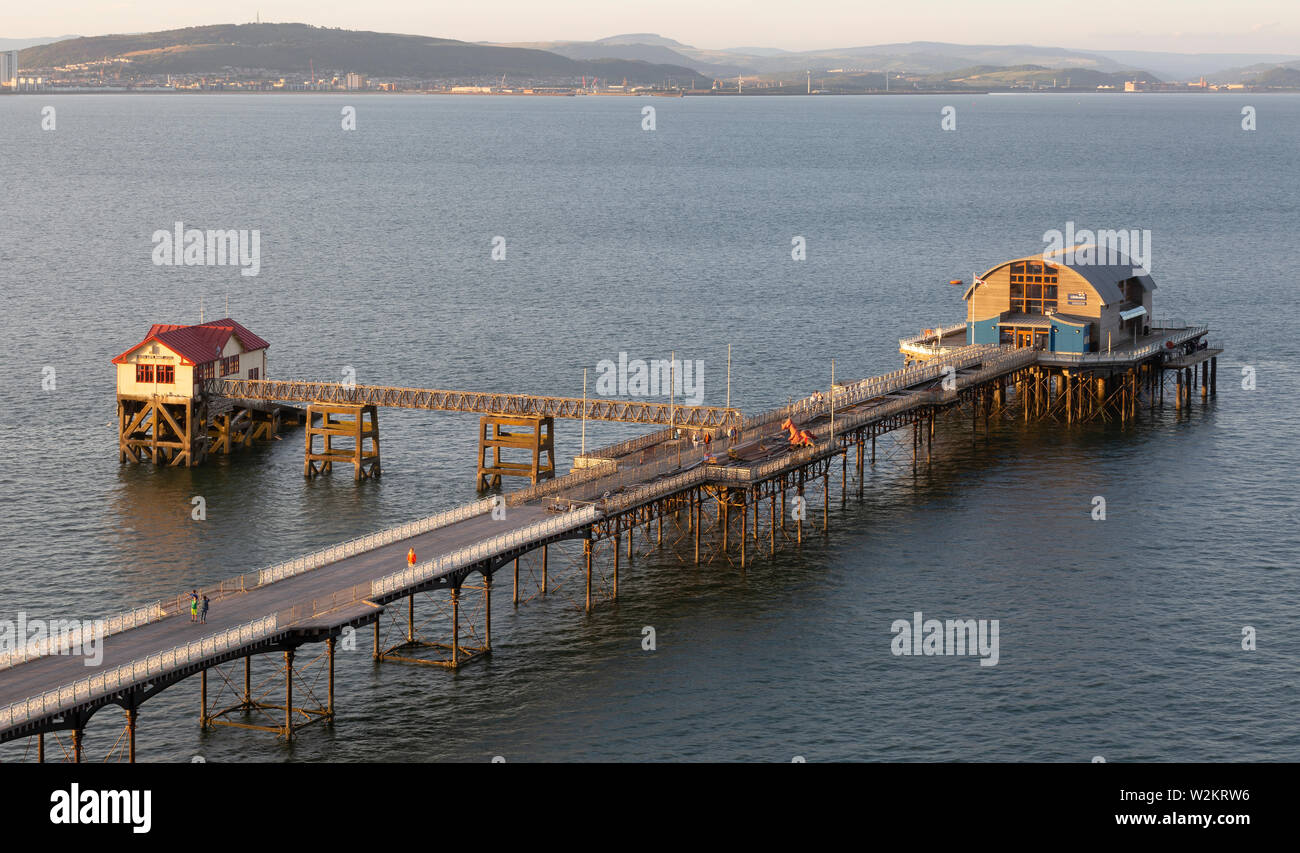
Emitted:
pixel 762 482
pixel 732 501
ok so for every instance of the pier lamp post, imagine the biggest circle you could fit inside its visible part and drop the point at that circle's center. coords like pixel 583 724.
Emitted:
pixel 672 403
pixel 584 411
pixel 832 399
pixel 728 376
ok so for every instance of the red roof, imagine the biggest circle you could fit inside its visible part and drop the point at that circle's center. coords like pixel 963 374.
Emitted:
pixel 198 344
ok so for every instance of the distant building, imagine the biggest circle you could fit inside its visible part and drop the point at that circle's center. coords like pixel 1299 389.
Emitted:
pixel 355 81
pixel 1049 304
pixel 9 68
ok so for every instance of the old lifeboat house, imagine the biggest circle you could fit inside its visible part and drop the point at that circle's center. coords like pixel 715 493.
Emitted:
pixel 164 414
pixel 1048 304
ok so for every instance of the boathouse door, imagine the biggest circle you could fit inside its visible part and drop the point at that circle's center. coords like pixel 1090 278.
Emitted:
pixel 1036 338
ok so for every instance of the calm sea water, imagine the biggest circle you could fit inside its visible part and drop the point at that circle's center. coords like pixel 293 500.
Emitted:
pixel 1119 638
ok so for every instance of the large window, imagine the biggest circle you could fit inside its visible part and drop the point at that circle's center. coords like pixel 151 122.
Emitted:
pixel 162 373
pixel 229 365
pixel 1033 287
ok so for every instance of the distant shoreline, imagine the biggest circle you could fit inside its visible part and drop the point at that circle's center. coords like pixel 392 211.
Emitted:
pixel 700 94
pixel 646 94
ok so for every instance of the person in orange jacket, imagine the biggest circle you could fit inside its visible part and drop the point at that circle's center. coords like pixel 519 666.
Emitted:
pixel 410 557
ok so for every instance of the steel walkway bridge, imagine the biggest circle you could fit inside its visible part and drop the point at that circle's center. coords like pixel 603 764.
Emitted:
pixel 479 402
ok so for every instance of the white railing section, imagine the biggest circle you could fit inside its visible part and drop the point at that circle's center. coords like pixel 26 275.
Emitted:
pixel 249 580
pixel 72 639
pixel 877 386
pixel 642 493
pixel 632 445
pixel 127 675
pixel 1125 355
pixel 371 541
pixel 914 343
pixel 481 551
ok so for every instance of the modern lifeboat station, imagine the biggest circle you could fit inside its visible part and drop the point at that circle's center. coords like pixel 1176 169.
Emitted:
pixel 1048 304
pixel 1089 312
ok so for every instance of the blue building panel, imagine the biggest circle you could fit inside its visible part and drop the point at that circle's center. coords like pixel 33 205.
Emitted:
pixel 983 331
pixel 1067 337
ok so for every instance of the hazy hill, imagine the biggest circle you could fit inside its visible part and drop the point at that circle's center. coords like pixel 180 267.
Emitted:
pixel 987 76
pixel 653 48
pixel 938 57
pixel 1250 73
pixel 289 48
pixel 638 57
pixel 1280 77
pixel 1189 66
pixel 913 57
pixel 19 44
pixel 586 50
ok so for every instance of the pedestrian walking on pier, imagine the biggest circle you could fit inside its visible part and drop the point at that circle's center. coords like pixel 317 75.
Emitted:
pixel 203 611
pixel 194 605
pixel 410 557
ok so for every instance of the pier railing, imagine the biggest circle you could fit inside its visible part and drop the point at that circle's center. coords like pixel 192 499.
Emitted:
pixel 126 675
pixel 614 491
pixel 72 639
pixel 558 484
pixel 332 554
pixel 612 478
pixel 632 445
pixel 855 393
pixel 1179 336
pixel 161 663
pixel 914 343
pixel 629 496
pixel 481 551
pixel 774 466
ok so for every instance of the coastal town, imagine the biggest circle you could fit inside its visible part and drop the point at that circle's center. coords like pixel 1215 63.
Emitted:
pixel 117 76
pixel 69 67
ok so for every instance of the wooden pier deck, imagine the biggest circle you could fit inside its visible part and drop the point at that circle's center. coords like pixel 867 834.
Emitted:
pixel 631 484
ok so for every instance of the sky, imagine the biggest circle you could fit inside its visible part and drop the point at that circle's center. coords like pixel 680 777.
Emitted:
pixel 1182 26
